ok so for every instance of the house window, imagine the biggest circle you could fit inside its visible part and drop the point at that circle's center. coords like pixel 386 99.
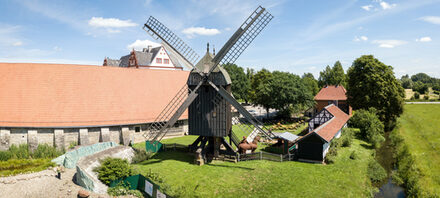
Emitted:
pixel 166 61
pixel 137 129
pixel 158 60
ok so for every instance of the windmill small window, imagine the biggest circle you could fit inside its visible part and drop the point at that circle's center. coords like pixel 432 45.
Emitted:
pixel 166 61
pixel 137 129
pixel 158 60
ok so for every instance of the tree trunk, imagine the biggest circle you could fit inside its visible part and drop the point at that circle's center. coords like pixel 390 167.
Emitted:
pixel 267 113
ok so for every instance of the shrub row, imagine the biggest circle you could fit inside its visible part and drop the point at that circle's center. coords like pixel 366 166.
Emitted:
pixel 22 152
pixel 407 173
pixel 346 139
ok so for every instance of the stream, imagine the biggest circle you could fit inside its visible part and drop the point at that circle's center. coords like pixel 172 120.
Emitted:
pixel 384 155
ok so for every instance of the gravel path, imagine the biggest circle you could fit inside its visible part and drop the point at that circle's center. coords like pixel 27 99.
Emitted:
pixel 41 184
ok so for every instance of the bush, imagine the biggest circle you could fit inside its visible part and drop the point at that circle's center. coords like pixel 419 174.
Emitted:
pixel 376 172
pixel 121 189
pixel 112 169
pixel 370 127
pixel 73 144
pixel 347 137
pixel 417 95
pixel 5 155
pixel 45 151
pixel 426 97
pixel 140 155
pixel 19 152
pixel 354 155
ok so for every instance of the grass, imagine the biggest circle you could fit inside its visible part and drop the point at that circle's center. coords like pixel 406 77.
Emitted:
pixel 344 178
pixel 410 93
pixel 17 166
pixel 419 128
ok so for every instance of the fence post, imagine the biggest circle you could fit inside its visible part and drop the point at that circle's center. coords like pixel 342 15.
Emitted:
pixel 281 156
pixel 261 155
pixel 238 157
pixel 174 146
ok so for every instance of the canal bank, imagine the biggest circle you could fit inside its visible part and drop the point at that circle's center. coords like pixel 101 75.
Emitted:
pixel 385 157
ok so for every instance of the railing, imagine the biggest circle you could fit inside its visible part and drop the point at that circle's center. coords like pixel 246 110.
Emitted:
pixel 265 156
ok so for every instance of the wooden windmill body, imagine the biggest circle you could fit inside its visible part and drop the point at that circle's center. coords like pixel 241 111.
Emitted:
pixel 207 93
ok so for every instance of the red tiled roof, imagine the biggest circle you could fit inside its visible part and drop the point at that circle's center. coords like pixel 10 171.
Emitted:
pixel 329 129
pixel 332 92
pixel 61 95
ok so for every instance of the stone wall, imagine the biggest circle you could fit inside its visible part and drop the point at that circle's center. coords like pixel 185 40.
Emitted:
pixel 64 137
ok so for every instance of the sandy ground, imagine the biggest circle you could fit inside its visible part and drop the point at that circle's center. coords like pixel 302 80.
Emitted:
pixel 41 184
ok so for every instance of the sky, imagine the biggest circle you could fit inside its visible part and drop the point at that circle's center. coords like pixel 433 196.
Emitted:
pixel 304 36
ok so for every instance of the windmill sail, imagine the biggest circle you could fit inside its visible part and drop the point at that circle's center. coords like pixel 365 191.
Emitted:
pixel 159 31
pixel 243 37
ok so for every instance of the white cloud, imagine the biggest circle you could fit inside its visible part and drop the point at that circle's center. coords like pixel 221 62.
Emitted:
pixel 110 22
pixel 432 19
pixel 424 39
pixel 367 7
pixel 386 5
pixel 192 31
pixel 18 43
pixel 389 43
pixel 361 38
pixel 141 44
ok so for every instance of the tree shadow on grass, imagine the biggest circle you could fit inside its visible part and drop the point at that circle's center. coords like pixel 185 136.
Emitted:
pixel 225 166
pixel 169 155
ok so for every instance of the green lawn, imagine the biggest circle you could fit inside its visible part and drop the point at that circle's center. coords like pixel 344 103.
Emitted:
pixel 345 178
pixel 18 166
pixel 420 126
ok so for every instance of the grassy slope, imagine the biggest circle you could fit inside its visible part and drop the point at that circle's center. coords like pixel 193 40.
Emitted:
pixel 345 178
pixel 419 127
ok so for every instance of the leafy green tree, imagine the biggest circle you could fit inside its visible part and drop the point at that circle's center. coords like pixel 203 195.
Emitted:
pixel 420 87
pixel 240 82
pixel 373 84
pixel 332 76
pixel 406 81
pixel 422 77
pixel 260 93
pixel 311 83
pixel 289 93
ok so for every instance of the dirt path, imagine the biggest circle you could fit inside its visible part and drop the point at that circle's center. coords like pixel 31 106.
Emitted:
pixel 41 184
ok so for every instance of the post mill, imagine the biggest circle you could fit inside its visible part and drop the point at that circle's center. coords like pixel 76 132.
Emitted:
pixel 207 93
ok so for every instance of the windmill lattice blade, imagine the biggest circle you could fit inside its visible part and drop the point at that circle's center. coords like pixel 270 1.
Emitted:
pixel 243 37
pixel 174 115
pixel 159 31
pixel 257 124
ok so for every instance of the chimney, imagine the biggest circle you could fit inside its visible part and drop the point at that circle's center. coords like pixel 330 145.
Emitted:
pixel 148 49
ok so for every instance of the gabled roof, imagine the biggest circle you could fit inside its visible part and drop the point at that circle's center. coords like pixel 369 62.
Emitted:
pixel 332 92
pixel 329 129
pixel 61 95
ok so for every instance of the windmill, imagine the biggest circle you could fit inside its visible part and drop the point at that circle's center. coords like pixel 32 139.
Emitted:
pixel 207 93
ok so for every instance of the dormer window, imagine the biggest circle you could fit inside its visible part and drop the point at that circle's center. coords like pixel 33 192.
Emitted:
pixel 166 61
pixel 158 60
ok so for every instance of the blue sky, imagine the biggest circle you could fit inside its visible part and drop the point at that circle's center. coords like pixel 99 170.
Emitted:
pixel 304 36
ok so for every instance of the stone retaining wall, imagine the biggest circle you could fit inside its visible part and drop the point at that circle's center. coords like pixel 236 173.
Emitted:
pixel 63 137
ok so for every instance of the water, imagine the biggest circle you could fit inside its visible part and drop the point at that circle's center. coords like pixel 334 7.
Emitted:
pixel 384 155
pixel 390 190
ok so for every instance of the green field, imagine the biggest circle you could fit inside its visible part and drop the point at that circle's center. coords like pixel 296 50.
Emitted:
pixel 420 126
pixel 344 178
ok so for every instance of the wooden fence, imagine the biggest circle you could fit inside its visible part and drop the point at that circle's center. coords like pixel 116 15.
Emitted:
pixel 265 156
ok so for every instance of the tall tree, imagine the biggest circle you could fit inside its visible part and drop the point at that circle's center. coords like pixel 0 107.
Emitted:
pixel 240 83
pixel 407 83
pixel 260 93
pixel 332 75
pixel 371 83
pixel 311 83
pixel 289 93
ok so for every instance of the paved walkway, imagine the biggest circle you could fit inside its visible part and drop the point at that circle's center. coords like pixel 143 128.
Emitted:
pixel 422 102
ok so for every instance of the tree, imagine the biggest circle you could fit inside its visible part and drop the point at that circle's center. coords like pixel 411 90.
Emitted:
pixel 332 76
pixel 407 83
pixel 311 83
pixel 240 83
pixel 420 87
pixel 289 93
pixel 260 93
pixel 373 84
pixel 422 77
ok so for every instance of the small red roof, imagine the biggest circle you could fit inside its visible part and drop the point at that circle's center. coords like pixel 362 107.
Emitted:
pixel 332 92
pixel 329 129
pixel 62 95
